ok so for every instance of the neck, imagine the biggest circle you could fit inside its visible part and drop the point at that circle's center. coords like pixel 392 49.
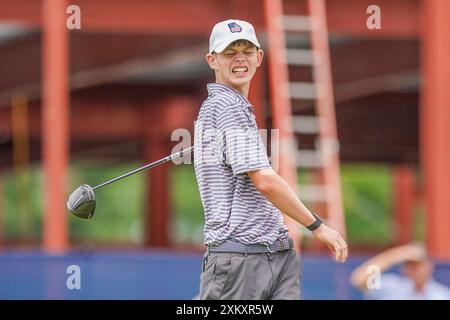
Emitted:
pixel 243 89
pixel 419 287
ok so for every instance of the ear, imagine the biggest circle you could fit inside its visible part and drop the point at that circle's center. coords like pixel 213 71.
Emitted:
pixel 212 62
pixel 259 57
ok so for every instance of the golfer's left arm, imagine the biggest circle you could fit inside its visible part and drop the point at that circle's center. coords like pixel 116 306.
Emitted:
pixel 280 194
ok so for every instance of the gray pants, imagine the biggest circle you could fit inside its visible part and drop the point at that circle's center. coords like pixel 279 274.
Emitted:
pixel 252 276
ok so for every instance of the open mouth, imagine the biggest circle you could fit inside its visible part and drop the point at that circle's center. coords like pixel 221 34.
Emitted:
pixel 239 69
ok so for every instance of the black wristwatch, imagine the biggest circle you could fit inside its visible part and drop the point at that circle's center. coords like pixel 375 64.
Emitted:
pixel 313 226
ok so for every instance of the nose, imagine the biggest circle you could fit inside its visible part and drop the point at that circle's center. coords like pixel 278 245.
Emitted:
pixel 239 56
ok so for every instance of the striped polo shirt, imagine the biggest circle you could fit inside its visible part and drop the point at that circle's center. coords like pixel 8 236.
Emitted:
pixel 227 146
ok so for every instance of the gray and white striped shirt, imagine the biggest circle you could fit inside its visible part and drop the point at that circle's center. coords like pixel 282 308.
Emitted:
pixel 227 146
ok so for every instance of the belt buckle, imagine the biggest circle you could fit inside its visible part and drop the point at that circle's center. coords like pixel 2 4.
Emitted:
pixel 268 249
pixel 282 244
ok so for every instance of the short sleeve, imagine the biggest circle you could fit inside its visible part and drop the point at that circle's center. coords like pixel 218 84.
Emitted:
pixel 242 144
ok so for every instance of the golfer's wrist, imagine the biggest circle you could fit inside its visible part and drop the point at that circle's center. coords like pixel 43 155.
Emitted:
pixel 320 229
pixel 316 224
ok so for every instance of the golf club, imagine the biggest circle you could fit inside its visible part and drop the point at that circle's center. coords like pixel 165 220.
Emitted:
pixel 82 201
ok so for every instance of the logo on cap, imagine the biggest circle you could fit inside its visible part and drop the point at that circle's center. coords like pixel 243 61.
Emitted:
pixel 234 27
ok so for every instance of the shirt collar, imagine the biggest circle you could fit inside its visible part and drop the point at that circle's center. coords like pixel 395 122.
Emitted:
pixel 217 88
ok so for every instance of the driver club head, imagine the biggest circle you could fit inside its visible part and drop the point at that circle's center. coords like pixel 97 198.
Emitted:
pixel 82 202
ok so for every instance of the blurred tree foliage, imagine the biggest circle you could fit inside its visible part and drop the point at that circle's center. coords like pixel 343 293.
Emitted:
pixel 12 196
pixel 118 215
pixel 367 191
pixel 367 195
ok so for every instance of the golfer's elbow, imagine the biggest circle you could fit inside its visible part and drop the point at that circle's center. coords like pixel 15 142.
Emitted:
pixel 265 186
pixel 264 180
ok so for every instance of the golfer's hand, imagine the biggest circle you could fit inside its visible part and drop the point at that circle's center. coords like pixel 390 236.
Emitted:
pixel 333 240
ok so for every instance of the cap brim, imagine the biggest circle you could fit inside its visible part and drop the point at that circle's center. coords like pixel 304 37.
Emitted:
pixel 222 46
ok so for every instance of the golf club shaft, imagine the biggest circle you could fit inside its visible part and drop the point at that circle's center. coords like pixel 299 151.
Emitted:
pixel 148 166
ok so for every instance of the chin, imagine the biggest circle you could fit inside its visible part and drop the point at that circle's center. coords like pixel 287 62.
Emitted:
pixel 241 81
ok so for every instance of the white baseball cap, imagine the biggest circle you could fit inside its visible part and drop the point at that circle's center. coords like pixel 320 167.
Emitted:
pixel 228 31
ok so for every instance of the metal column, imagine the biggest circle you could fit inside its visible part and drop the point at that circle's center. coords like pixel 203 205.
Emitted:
pixel 55 132
pixel 435 129
pixel 404 199
pixel 280 102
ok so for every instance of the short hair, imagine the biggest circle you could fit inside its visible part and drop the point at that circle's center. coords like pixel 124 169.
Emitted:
pixel 240 41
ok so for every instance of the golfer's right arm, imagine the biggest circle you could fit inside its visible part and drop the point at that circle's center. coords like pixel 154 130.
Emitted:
pixel 280 194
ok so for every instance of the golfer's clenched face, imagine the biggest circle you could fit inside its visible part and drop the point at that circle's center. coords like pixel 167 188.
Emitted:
pixel 236 65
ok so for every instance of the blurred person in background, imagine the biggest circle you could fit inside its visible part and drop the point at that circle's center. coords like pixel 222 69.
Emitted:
pixel 417 282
